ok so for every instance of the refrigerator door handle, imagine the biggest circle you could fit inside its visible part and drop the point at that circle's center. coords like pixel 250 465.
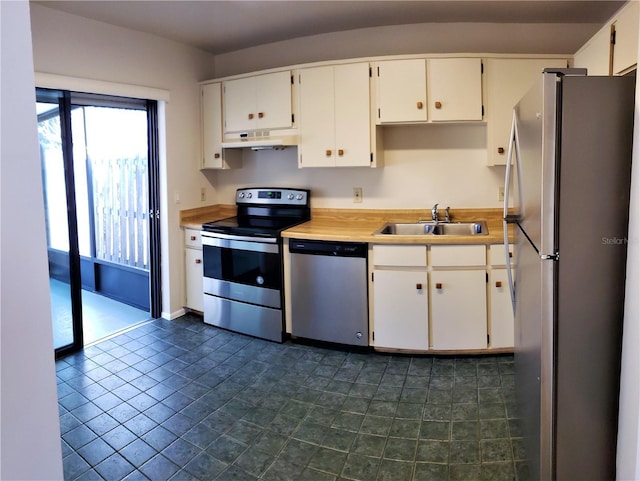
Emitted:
pixel 507 176
pixel 514 148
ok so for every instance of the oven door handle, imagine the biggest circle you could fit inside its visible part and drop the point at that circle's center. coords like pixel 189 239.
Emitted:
pixel 238 243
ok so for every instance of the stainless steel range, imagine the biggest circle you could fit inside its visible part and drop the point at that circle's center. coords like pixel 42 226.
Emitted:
pixel 242 259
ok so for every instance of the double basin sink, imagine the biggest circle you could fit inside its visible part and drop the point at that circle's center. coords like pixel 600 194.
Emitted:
pixel 434 228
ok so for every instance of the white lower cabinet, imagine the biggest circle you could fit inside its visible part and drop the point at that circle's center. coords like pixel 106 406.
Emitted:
pixel 455 299
pixel 458 309
pixel 401 309
pixel 193 270
pixel 501 320
pixel 501 312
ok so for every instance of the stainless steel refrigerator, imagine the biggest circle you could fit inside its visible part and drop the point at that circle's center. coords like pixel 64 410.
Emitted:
pixel 569 184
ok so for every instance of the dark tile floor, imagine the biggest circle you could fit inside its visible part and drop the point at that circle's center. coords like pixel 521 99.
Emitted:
pixel 182 400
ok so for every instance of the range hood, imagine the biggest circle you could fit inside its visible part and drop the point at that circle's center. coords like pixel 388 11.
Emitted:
pixel 260 143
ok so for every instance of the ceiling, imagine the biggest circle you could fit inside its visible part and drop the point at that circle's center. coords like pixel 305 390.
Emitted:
pixel 225 26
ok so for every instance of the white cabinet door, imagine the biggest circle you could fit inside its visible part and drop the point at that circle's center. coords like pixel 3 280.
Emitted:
pixel 334 123
pixel 352 115
pixel 501 312
pixel 193 270
pixel 625 50
pixel 258 102
pixel 273 101
pixel 213 155
pixel 317 117
pixel 594 55
pixel 194 273
pixel 239 104
pixel 507 81
pixel 401 91
pixel 455 89
pixel 458 310
pixel 400 300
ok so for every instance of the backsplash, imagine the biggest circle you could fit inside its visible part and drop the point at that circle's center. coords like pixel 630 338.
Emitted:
pixel 423 164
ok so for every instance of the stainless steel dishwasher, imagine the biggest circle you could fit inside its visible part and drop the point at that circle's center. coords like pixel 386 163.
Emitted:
pixel 329 291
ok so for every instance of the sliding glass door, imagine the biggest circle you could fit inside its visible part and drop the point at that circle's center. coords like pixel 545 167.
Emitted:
pixel 54 133
pixel 98 160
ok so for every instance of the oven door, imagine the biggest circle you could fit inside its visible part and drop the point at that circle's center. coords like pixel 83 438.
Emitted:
pixel 243 269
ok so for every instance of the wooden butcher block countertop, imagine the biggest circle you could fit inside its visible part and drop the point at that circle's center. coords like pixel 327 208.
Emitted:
pixel 194 218
pixel 358 225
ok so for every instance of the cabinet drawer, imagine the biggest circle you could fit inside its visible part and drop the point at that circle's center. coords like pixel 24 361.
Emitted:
pixel 459 255
pixel 393 255
pixel 497 254
pixel 192 238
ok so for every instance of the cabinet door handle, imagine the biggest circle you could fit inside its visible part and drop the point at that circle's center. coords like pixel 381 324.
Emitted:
pixel 498 284
pixel 340 152
pixel 438 105
pixel 510 254
pixel 192 237
pixel 501 150
pixel 327 153
pixel 198 261
pixel 419 286
pixel 250 116
pixel 260 115
pixel 419 105
pixel 438 285
pixel 216 155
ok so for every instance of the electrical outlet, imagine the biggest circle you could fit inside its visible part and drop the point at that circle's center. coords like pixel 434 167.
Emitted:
pixel 357 195
pixel 501 193
pixel 203 194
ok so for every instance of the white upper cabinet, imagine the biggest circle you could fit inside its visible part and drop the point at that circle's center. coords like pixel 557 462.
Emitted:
pixel 455 89
pixel 213 155
pixel 594 55
pixel 508 79
pixel 261 102
pixel 335 123
pixel 625 48
pixel 401 91
pixel 613 50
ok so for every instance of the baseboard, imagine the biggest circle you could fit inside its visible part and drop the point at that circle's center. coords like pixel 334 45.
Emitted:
pixel 173 315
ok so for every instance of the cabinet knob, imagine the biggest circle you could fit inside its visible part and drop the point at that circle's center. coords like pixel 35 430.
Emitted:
pixel 438 105
pixel 192 237
pixel 216 155
pixel 327 153
pixel 419 105
pixel 250 116
pixel 260 115
pixel 438 285
pixel 501 150
pixel 419 286
pixel 498 284
pixel 340 152
pixel 198 261
pixel 510 254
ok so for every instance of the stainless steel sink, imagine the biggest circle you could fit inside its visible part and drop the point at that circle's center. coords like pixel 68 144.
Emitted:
pixel 433 228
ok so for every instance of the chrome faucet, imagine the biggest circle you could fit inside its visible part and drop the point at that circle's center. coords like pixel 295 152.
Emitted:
pixel 447 218
pixel 434 213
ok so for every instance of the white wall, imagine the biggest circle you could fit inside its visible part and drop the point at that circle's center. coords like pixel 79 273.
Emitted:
pixel 73 46
pixel 30 427
pixel 401 40
pixel 423 165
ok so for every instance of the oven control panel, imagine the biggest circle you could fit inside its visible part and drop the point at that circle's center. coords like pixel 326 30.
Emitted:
pixel 272 196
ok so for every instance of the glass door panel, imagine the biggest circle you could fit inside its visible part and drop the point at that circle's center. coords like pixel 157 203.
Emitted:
pixel 55 179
